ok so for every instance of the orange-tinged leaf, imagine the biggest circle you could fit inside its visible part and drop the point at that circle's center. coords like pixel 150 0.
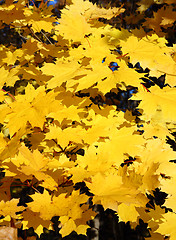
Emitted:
pixel 33 219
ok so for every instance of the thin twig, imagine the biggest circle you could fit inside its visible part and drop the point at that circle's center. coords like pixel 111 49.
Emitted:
pixel 46 37
pixel 34 33
pixel 8 94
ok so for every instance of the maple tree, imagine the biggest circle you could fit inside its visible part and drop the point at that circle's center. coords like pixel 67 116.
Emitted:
pixel 61 129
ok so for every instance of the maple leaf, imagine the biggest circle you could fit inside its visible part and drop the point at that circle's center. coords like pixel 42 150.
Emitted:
pixel 167 184
pixel 38 18
pixel 3 142
pixel 110 191
pixel 92 11
pixel 11 13
pixel 167 226
pixel 4 73
pixel 163 17
pixel 144 5
pixel 43 204
pixel 78 225
pixel 13 144
pixel 105 78
pixel 122 75
pixel 155 153
pixel 81 12
pixel 72 22
pixel 156 127
pixel 10 76
pixel 63 162
pixel 62 71
pixel 10 208
pixel 96 12
pixel 125 142
pixel 62 112
pixel 85 165
pixel 37 25
pixel 66 135
pixel 100 126
pixel 121 163
pixel 96 47
pixel 28 108
pixel 58 205
pixel 152 53
pixel 12 57
pixel 68 208
pixel 33 219
pixel 34 164
pixel 127 212
pixel 157 100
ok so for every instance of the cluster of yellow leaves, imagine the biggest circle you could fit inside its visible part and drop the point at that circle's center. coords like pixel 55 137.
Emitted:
pixel 48 121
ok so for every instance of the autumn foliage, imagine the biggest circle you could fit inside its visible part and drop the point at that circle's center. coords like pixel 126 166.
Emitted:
pixel 61 151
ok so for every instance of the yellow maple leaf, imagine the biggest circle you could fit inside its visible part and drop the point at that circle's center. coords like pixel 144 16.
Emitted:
pixel 13 144
pixel 167 184
pixel 123 141
pixel 72 22
pixel 10 208
pixel 45 24
pixel 92 11
pixel 9 76
pixel 96 12
pixel 76 17
pixel 62 112
pixel 68 225
pixel 152 53
pixel 5 74
pixel 3 142
pixel 157 100
pixel 34 164
pixel 151 163
pixel 127 212
pixel 29 108
pixel 156 127
pixel 68 208
pixel 122 75
pixel 62 71
pixel 167 227
pixel 11 57
pixel 105 77
pixel 85 166
pixel 66 135
pixel 61 205
pixel 110 191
